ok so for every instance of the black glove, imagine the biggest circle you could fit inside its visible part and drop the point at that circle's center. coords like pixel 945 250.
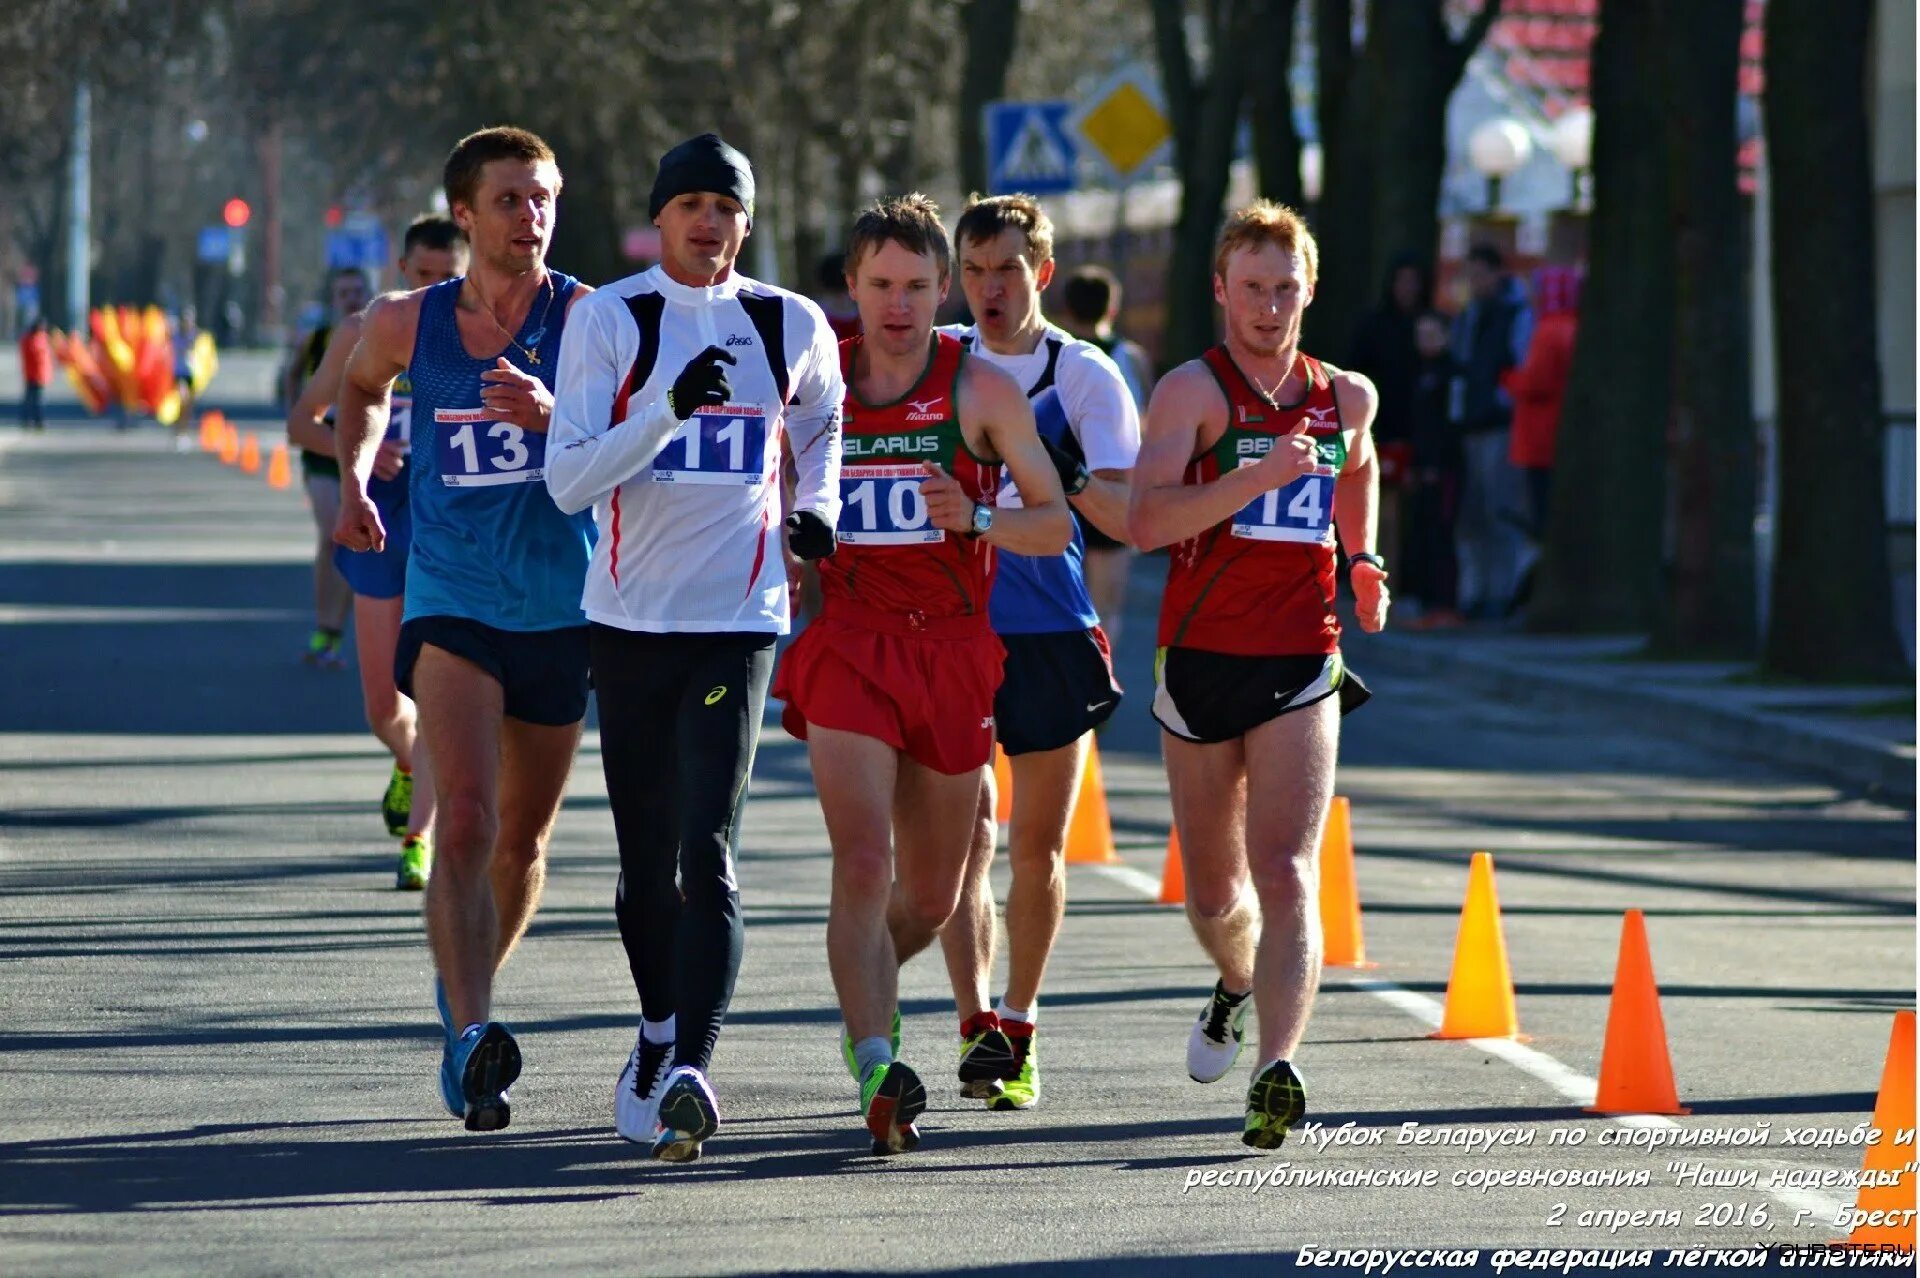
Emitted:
pixel 808 536
pixel 701 384
pixel 1073 473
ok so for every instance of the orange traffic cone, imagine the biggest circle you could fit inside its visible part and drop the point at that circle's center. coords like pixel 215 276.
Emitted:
pixel 250 454
pixel 1173 879
pixel 1480 990
pixel 1636 1070
pixel 1090 831
pixel 1340 891
pixel 279 473
pixel 210 432
pixel 229 444
pixel 1893 1112
pixel 1002 785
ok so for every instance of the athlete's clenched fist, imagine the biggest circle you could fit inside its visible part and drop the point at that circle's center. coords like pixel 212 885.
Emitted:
pixel 1293 454
pixel 948 505
pixel 701 384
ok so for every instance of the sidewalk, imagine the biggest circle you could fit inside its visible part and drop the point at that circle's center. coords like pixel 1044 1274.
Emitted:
pixel 1860 738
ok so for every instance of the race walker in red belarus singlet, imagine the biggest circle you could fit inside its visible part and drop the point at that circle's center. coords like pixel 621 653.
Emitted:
pixel 903 650
pixel 1248 629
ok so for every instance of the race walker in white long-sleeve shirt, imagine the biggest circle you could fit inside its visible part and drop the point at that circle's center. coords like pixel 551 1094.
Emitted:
pixel 689 511
pixel 682 393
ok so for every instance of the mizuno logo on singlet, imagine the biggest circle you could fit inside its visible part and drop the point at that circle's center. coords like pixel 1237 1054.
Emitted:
pixel 923 409
pixel 866 445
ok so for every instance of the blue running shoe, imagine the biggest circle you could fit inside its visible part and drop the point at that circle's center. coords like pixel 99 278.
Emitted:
pixel 486 1060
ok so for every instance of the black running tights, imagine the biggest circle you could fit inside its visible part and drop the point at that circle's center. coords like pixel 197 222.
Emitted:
pixel 679 721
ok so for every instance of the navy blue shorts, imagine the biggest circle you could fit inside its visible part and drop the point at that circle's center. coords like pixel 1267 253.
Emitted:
pixel 380 574
pixel 1055 689
pixel 542 673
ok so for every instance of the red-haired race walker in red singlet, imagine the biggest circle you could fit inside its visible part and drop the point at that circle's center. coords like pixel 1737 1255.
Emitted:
pixel 1255 458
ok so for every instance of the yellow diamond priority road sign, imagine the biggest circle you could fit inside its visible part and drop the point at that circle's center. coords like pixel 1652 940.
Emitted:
pixel 1123 123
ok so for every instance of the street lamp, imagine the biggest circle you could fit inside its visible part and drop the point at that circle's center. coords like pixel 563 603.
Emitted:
pixel 1497 149
pixel 1571 140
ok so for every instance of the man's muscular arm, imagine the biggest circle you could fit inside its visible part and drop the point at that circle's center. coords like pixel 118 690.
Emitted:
pixel 1165 509
pixel 1356 497
pixel 383 352
pixel 994 405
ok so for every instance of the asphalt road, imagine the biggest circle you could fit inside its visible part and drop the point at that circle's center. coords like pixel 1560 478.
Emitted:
pixel 218 1051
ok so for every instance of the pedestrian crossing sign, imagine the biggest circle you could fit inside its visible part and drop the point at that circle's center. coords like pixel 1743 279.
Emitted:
pixel 1029 148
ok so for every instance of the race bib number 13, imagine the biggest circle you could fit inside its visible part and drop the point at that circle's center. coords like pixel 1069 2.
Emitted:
pixel 881 505
pixel 474 451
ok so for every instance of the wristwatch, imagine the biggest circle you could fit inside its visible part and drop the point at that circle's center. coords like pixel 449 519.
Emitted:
pixel 1367 557
pixel 1078 484
pixel 982 520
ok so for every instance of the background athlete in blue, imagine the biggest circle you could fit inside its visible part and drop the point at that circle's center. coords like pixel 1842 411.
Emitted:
pixel 493 648
pixel 1058 684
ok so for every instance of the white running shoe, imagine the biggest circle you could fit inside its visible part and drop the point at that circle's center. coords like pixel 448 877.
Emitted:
pixel 1214 1042
pixel 689 1115
pixel 636 1098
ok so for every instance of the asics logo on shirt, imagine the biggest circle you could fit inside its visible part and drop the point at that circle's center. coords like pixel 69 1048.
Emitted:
pixel 718 692
pixel 734 339
pixel 923 409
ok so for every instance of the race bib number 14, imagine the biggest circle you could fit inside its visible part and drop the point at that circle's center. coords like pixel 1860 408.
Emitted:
pixel 1302 511
pixel 474 451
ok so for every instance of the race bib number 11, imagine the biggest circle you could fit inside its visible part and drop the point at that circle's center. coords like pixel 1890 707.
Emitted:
pixel 881 505
pixel 474 451
pixel 725 445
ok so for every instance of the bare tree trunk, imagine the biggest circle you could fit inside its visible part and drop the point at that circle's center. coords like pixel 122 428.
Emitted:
pixel 1276 142
pixel 990 27
pixel 1831 615
pixel 1708 606
pixel 1602 553
pixel 1342 222
pixel 1205 118
pixel 1413 67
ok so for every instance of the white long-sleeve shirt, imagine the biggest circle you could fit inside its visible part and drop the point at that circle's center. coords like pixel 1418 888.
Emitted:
pixel 689 512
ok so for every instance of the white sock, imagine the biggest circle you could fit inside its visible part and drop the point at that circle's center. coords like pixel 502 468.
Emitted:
pixel 869 1052
pixel 1007 1012
pixel 657 1031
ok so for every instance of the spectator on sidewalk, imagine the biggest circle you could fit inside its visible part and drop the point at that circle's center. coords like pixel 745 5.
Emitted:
pixel 1489 338
pixel 1428 566
pixel 1384 349
pixel 36 371
pixel 1539 386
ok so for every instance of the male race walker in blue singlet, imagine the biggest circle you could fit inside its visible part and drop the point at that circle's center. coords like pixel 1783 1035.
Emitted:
pixel 493 648
pixel 1058 685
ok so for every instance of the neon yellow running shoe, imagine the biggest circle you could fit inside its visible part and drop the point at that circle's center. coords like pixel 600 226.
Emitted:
pixel 1276 1101
pixel 396 805
pixel 1022 1091
pixel 416 864
pixel 891 1098
pixel 846 1047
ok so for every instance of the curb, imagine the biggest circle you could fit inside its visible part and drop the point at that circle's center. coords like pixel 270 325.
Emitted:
pixel 1853 761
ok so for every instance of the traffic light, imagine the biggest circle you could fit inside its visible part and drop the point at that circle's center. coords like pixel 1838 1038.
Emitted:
pixel 236 212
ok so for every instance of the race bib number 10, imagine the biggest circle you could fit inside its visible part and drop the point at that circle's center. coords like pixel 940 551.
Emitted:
pixel 474 451
pixel 881 505
pixel 1302 511
pixel 724 445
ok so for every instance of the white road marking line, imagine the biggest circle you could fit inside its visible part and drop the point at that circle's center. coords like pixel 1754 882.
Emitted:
pixel 1557 1074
